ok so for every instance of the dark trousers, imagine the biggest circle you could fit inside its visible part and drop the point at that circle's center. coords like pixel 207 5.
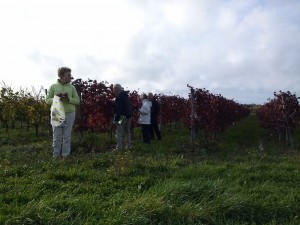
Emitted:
pixel 154 128
pixel 146 133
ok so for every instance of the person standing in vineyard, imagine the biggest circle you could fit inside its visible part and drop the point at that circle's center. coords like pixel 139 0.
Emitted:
pixel 145 117
pixel 122 116
pixel 155 109
pixel 69 97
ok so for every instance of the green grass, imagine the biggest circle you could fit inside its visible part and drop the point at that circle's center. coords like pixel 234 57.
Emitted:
pixel 229 182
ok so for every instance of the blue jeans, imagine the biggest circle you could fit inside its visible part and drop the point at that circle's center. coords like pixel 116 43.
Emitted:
pixel 62 136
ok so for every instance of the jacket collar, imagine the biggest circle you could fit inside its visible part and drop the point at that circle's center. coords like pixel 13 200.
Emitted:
pixel 58 82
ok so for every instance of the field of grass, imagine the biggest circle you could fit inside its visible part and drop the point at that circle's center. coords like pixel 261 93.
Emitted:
pixel 230 181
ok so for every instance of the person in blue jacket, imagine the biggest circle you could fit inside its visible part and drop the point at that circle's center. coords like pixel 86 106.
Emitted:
pixel 155 110
pixel 122 116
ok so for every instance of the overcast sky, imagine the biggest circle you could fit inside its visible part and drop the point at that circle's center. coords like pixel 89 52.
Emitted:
pixel 242 49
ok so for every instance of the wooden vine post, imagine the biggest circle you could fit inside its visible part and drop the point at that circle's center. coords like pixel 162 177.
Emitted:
pixel 288 136
pixel 78 115
pixel 193 129
pixel 49 120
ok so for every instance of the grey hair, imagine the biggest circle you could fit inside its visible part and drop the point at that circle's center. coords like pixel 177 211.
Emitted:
pixel 144 95
pixel 118 87
pixel 62 70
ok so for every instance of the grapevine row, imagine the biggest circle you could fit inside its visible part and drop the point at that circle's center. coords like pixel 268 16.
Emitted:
pixel 280 115
pixel 214 113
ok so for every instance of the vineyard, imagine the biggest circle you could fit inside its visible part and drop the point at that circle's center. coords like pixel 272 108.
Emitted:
pixel 212 113
pixel 207 169
pixel 25 108
pixel 281 115
pixel 207 115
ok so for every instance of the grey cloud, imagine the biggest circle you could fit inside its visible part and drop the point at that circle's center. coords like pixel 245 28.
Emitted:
pixel 89 66
pixel 244 50
pixel 252 55
pixel 47 63
pixel 39 58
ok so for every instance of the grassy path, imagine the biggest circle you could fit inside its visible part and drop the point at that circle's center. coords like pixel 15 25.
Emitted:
pixel 232 183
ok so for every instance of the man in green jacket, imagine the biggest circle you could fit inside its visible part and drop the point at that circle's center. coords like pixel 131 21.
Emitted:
pixel 69 97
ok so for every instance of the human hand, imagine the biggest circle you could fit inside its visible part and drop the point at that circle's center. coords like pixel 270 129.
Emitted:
pixel 63 97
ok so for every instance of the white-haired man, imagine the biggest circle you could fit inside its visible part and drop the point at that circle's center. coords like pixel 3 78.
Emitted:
pixel 145 117
pixel 122 116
